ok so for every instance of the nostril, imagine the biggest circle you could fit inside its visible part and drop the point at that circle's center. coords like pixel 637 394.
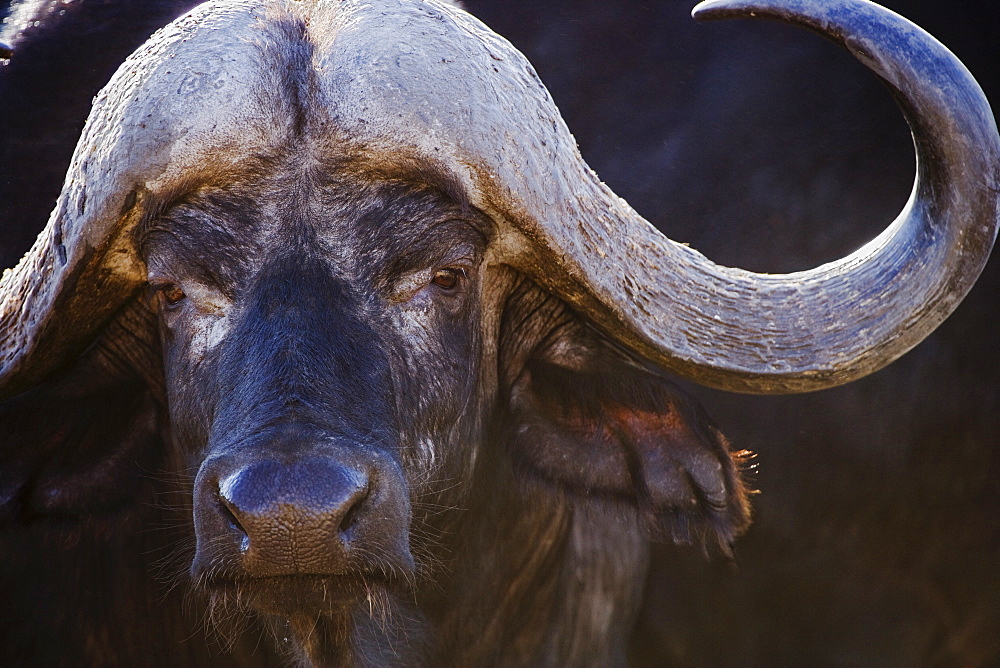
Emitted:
pixel 234 523
pixel 351 516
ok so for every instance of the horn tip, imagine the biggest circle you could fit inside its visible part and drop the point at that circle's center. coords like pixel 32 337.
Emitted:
pixel 714 10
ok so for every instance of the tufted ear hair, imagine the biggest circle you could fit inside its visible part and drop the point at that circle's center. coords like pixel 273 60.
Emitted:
pixel 86 440
pixel 593 421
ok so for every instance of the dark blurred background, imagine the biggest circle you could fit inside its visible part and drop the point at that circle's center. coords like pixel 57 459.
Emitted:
pixel 877 526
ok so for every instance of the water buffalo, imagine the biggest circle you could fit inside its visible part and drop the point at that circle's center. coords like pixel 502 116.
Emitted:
pixel 364 308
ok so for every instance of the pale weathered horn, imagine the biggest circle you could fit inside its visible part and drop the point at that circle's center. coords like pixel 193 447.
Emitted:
pixel 402 88
pixel 819 328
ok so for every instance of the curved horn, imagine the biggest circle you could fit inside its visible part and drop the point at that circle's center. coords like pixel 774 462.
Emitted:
pixel 398 88
pixel 147 137
pixel 814 329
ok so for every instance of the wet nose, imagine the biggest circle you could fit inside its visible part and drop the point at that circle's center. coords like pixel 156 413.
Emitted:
pixel 294 518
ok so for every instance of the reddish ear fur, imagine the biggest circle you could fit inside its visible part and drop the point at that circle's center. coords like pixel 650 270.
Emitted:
pixel 597 424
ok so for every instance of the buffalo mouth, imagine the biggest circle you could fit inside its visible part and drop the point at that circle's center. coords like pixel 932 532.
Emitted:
pixel 307 594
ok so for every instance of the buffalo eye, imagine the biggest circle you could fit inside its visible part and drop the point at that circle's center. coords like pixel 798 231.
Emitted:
pixel 171 293
pixel 447 278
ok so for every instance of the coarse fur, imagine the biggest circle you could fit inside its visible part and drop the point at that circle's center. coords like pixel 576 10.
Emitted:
pixel 293 312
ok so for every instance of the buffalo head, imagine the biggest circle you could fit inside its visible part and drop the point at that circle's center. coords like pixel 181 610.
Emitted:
pixel 340 266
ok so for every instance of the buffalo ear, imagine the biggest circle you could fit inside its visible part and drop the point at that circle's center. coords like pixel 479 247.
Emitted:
pixel 85 440
pixel 596 423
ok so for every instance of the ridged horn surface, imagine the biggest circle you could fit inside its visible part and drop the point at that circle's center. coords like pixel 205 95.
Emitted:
pixel 819 328
pixel 408 89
